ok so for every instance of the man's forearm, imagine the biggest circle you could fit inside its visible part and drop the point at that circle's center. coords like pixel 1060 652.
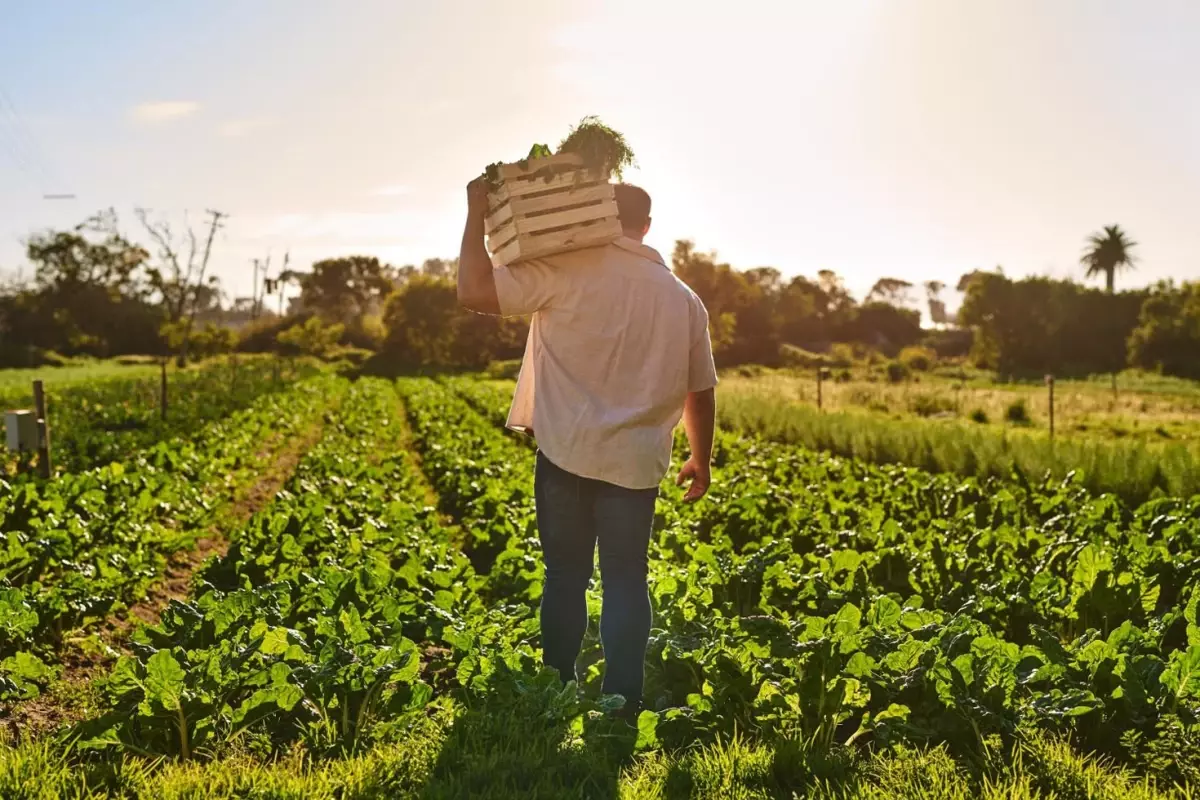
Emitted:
pixel 476 283
pixel 699 421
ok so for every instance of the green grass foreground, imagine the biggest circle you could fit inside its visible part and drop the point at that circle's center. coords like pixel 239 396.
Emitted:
pixel 512 748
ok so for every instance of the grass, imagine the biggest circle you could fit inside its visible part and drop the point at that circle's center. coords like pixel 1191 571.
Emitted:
pixel 1130 469
pixel 1149 408
pixel 510 747
pixel 20 380
pixel 504 762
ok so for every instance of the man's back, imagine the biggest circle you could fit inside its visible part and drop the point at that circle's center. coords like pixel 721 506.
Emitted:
pixel 616 344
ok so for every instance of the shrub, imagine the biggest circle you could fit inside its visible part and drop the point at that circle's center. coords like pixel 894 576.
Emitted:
pixel 355 356
pixel 843 354
pixel 751 371
pixel 260 335
pixel 897 372
pixel 312 338
pixel 797 357
pixel 1017 412
pixel 928 405
pixel 503 370
pixel 980 416
pixel 919 359
pixel 134 361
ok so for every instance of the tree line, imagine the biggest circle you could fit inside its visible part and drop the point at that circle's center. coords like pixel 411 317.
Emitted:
pixel 95 292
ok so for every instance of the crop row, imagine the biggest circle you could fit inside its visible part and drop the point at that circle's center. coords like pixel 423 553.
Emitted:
pixel 308 628
pixel 108 420
pixel 80 547
pixel 851 603
pixel 350 617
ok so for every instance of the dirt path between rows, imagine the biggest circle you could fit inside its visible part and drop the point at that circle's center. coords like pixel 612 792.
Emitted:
pixel 68 700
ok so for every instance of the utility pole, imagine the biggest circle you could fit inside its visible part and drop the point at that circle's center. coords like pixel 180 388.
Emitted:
pixel 254 292
pixel 258 288
pixel 282 278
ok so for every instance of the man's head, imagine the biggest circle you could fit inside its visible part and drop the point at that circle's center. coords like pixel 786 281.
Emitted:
pixel 633 209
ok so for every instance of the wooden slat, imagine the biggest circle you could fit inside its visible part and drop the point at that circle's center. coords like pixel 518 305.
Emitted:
pixel 565 180
pixel 541 222
pixel 515 170
pixel 591 235
pixel 502 235
pixel 507 254
pixel 497 218
pixel 594 192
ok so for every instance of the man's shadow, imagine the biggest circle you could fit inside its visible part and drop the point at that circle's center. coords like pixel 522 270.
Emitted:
pixel 529 737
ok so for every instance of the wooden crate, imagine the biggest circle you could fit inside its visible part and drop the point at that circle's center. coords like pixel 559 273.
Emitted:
pixel 549 205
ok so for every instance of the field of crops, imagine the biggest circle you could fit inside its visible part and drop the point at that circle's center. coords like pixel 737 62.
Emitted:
pixel 823 627
pixel 98 421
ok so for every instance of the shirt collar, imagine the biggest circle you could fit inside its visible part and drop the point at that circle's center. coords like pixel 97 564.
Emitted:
pixel 644 250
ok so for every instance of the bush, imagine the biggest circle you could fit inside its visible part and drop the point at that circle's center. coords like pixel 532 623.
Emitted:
pixel 134 361
pixel 844 354
pixel 799 358
pixel 260 335
pixel 356 356
pixel 928 405
pixel 980 416
pixel 919 359
pixel 751 371
pixel 1017 412
pixel 313 338
pixel 949 343
pixel 503 370
pixel 897 372
pixel 839 357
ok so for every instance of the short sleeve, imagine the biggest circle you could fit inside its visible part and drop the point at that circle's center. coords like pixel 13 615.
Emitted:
pixel 702 371
pixel 526 287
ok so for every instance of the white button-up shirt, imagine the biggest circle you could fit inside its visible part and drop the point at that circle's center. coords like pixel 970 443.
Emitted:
pixel 616 343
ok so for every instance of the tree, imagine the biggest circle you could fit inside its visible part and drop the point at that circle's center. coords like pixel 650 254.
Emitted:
pixel 893 291
pixel 1108 252
pixel 426 327
pixel 180 278
pixel 937 308
pixel 343 289
pixel 1167 337
pixel 1038 325
pixel 89 294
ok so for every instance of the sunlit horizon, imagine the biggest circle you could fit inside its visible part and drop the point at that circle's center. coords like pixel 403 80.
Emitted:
pixel 917 141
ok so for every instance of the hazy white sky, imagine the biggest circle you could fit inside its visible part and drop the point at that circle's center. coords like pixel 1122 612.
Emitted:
pixel 910 138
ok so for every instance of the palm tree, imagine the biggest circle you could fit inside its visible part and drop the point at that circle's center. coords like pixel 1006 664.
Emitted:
pixel 1108 252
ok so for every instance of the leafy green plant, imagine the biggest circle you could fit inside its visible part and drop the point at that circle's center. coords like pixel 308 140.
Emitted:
pixel 603 150
pixel 1017 412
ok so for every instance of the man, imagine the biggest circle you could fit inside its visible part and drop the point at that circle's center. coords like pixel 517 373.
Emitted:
pixel 618 351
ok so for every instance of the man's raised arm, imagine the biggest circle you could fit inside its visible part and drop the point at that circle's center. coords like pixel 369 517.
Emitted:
pixel 476 282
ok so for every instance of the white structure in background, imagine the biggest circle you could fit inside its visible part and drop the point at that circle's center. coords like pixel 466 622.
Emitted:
pixel 21 427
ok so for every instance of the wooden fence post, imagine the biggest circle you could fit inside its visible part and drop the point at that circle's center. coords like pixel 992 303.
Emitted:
pixel 43 428
pixel 820 398
pixel 1050 389
pixel 162 389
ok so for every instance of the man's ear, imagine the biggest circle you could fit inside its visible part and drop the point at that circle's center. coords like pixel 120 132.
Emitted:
pixel 646 229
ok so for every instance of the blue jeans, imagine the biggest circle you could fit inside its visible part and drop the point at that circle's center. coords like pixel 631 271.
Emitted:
pixel 573 514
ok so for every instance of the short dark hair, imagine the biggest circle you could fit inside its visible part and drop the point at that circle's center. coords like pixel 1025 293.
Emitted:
pixel 633 206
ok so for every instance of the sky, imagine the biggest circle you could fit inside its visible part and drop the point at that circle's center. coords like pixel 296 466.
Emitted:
pixel 917 139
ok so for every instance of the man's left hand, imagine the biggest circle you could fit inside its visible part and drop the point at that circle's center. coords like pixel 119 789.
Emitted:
pixel 700 476
pixel 477 197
